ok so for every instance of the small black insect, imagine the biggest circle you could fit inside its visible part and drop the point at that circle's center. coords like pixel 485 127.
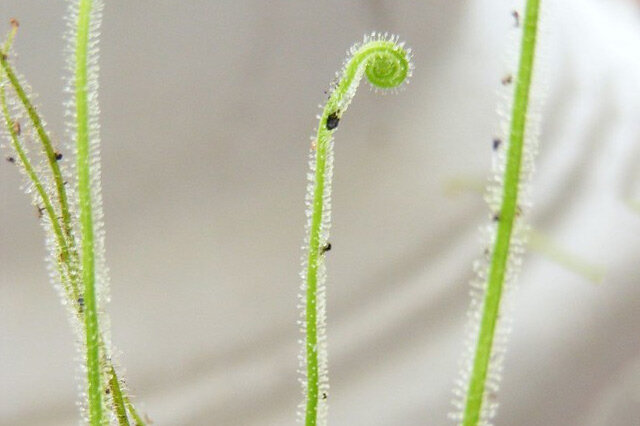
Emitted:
pixel 325 248
pixel 58 155
pixel 516 18
pixel 107 391
pixel 81 304
pixel 507 80
pixel 496 217
pixel 324 395
pixel 40 212
pixel 333 120
pixel 496 143
pixel 11 160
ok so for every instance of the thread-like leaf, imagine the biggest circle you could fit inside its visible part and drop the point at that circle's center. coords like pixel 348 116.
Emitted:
pixel 83 168
pixel 387 65
pixel 59 226
pixel 478 386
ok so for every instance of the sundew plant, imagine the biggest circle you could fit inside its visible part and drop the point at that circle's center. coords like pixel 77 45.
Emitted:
pixel 64 183
pixel 69 201
pixel 386 63
pixel 476 390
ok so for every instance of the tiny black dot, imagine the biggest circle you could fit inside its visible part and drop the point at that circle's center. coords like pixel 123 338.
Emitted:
pixel 325 248
pixel 58 155
pixel 332 121
pixel 496 144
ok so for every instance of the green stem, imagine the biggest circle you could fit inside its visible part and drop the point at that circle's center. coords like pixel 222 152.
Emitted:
pixel 46 142
pixel 68 249
pixel 37 183
pixel 70 290
pixel 476 390
pixel 86 214
pixel 68 253
pixel 387 65
pixel 132 411
pixel 68 265
pixel 121 402
pixel 116 394
pixel 66 274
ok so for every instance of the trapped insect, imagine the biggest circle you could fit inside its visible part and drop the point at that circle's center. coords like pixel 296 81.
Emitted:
pixel 506 80
pixel 325 248
pixel 333 120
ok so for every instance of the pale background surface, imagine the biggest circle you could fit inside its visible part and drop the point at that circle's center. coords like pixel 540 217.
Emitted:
pixel 207 109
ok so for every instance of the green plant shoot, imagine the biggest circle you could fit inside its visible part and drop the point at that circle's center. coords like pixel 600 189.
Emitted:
pixel 476 395
pixel 86 213
pixel 60 223
pixel 387 65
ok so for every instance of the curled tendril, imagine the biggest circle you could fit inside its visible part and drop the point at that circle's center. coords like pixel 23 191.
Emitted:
pixel 385 62
pixel 387 65
pixel 387 69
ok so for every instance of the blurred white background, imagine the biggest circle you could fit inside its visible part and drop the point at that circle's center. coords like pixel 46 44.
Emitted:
pixel 207 109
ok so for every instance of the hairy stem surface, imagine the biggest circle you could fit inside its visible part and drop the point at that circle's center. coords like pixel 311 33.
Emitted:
pixel 86 215
pixel 491 306
pixel 70 272
pixel 386 64
pixel 50 152
pixel 66 258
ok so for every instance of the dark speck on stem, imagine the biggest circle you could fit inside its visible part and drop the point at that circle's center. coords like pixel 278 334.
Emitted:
pixel 332 121
pixel 325 248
